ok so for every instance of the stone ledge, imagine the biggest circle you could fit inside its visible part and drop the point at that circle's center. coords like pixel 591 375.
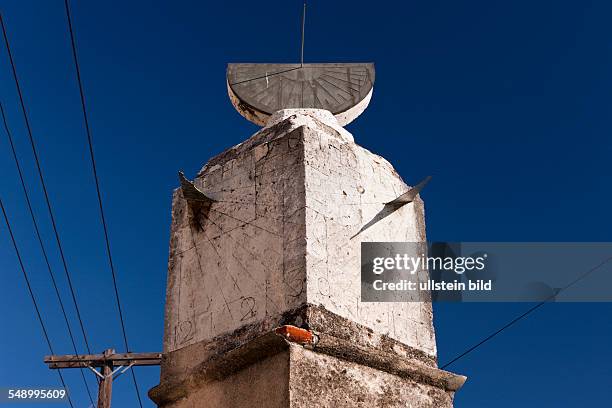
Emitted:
pixel 229 354
pixel 390 363
pixel 322 321
pixel 179 363
pixel 218 367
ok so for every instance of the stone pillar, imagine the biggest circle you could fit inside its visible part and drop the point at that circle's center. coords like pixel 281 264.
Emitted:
pixel 263 300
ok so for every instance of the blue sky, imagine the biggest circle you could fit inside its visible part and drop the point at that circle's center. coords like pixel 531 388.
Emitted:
pixel 506 104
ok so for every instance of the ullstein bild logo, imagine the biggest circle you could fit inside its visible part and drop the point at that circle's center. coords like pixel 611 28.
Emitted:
pixel 485 272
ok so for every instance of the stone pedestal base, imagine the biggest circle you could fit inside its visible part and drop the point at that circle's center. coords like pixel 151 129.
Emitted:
pixel 347 365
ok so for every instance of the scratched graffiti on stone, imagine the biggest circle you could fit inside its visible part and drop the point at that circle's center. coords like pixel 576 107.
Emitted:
pixel 289 199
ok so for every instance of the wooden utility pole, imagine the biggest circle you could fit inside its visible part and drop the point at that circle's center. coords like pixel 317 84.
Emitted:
pixel 105 386
pixel 111 366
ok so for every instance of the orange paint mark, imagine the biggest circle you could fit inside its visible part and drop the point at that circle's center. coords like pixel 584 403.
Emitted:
pixel 295 334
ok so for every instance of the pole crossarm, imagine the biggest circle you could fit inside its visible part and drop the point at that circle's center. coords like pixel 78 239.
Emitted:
pixel 101 360
pixel 109 362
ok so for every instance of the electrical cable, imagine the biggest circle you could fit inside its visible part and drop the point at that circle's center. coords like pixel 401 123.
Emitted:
pixel 42 181
pixel 97 183
pixel 38 314
pixel 527 312
pixel 42 247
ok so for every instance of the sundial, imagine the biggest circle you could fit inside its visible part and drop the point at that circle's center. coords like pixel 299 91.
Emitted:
pixel 275 223
pixel 266 240
pixel 259 90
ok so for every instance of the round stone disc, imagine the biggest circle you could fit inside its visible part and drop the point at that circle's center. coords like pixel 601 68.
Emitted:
pixel 259 90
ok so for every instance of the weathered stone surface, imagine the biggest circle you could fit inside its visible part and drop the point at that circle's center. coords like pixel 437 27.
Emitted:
pixel 180 364
pixel 280 245
pixel 326 381
pixel 262 384
pixel 239 262
pixel 332 372
pixel 289 200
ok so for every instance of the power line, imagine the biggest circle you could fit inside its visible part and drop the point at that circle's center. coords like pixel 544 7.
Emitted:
pixel 97 183
pixel 42 247
pixel 42 181
pixel 527 312
pixel 25 275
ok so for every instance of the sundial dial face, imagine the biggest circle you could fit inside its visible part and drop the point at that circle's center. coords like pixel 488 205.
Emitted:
pixel 259 90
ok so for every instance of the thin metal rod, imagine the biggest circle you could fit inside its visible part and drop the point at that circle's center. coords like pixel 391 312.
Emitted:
pixel 124 370
pixel 95 371
pixel 303 25
pixel 267 75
